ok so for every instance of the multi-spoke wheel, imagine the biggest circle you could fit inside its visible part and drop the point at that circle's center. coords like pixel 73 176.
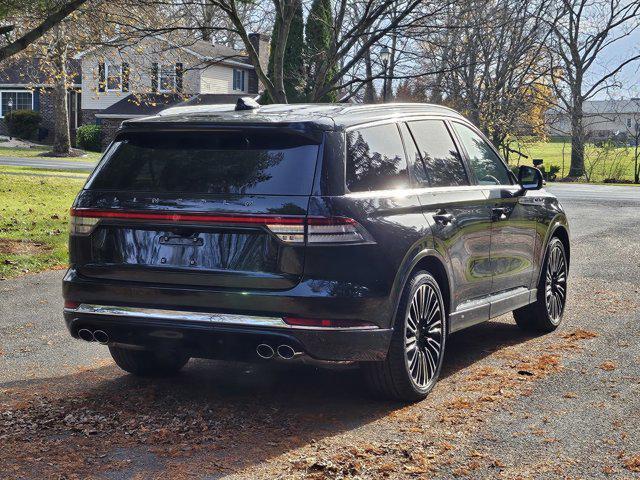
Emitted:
pixel 417 347
pixel 423 335
pixel 545 314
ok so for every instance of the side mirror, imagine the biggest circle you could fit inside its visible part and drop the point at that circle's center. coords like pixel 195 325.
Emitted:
pixel 530 178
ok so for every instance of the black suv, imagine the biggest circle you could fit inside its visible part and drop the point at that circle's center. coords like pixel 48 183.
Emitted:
pixel 334 232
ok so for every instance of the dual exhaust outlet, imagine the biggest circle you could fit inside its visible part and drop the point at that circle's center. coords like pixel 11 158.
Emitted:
pixel 285 352
pixel 99 336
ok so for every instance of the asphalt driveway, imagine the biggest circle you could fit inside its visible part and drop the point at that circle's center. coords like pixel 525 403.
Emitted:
pixel 509 405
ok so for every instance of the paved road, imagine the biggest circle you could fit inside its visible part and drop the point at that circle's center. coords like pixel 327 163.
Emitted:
pixel 509 405
pixel 47 163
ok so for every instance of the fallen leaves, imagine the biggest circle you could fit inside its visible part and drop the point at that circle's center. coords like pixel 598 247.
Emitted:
pixel 633 463
pixel 608 366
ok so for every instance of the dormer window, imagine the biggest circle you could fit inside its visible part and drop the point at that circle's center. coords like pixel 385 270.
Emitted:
pixel 114 77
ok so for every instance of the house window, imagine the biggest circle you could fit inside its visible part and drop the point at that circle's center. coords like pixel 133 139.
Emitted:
pixel 113 74
pixel 238 79
pixel 167 78
pixel 19 101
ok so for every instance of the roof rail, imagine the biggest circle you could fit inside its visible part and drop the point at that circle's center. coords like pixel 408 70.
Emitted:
pixel 388 106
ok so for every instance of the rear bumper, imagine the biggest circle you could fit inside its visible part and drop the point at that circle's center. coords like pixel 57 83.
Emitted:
pixel 227 324
pixel 226 336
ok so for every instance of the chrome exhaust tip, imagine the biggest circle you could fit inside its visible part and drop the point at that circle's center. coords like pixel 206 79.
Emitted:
pixel 265 351
pixel 287 352
pixel 101 337
pixel 86 335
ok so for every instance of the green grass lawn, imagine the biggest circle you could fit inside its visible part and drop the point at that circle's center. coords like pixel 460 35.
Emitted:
pixel 619 162
pixel 37 151
pixel 34 216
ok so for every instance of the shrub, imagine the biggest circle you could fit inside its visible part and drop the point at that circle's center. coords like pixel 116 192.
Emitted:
pixel 23 123
pixel 89 137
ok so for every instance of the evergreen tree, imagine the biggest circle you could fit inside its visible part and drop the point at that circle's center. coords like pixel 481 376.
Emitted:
pixel 318 36
pixel 293 68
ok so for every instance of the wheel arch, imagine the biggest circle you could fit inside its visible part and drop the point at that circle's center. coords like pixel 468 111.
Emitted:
pixel 559 228
pixel 431 261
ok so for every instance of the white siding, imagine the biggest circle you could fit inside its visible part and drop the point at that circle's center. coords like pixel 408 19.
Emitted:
pixel 219 79
pixel 140 65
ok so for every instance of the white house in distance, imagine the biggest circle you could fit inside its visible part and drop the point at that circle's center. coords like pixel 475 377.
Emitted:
pixel 142 79
pixel 603 119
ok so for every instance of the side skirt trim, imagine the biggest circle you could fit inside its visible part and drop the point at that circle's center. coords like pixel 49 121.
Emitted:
pixel 492 306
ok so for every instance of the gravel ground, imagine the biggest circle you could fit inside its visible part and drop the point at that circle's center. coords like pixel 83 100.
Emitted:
pixel 509 405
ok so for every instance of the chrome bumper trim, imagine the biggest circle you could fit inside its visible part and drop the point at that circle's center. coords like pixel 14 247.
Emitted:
pixel 214 318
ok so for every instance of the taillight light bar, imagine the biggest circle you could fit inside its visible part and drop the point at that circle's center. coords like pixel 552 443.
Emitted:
pixel 293 229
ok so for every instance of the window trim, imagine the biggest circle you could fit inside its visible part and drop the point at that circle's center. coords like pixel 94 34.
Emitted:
pixel 163 90
pixel 106 77
pixel 16 91
pixel 243 74
pixel 467 159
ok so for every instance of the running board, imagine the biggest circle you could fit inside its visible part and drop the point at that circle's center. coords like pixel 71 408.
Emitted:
pixel 478 311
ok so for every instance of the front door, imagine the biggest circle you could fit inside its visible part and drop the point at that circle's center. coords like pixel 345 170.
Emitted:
pixel 513 223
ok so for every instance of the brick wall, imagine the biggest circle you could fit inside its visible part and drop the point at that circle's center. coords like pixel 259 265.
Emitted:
pixel 109 128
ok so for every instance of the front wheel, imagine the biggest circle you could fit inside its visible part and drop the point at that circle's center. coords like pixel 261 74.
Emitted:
pixel 415 355
pixel 148 362
pixel 545 314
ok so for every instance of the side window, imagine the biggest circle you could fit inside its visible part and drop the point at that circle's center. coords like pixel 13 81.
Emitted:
pixel 441 158
pixel 413 157
pixel 485 163
pixel 375 159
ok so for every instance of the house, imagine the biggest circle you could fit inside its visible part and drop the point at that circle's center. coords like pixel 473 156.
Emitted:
pixel 142 79
pixel 603 119
pixel 26 84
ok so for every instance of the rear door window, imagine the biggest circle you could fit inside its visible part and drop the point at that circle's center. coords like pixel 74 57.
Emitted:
pixel 263 163
pixel 375 159
pixel 485 163
pixel 442 161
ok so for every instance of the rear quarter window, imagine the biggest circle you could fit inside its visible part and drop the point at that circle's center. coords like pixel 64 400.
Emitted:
pixel 376 159
pixel 263 163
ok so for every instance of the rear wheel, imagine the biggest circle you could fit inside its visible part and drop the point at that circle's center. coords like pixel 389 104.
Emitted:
pixel 415 355
pixel 545 314
pixel 148 362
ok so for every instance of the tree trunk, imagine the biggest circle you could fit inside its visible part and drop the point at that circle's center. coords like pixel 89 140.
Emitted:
pixel 577 139
pixel 369 91
pixel 61 137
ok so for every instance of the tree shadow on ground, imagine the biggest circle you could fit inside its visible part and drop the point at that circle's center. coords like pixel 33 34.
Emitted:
pixel 229 415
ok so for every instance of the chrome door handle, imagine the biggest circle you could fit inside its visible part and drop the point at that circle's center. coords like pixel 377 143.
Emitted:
pixel 443 218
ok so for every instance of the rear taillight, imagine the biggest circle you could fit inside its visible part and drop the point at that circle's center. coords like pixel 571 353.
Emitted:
pixel 291 229
pixel 326 323
pixel 322 230
pixel 82 225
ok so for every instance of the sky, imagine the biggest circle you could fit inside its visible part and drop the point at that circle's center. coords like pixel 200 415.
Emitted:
pixel 629 78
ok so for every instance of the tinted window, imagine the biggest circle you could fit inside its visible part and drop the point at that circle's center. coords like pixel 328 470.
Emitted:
pixel 486 165
pixel 443 163
pixel 375 159
pixel 209 162
pixel 413 157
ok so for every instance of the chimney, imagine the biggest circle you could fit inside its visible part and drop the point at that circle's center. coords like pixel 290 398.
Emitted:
pixel 262 44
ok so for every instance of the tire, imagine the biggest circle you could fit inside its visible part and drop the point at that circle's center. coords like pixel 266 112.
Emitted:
pixel 414 360
pixel 147 362
pixel 545 314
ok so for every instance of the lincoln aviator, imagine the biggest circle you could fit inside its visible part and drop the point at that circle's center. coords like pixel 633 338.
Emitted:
pixel 351 233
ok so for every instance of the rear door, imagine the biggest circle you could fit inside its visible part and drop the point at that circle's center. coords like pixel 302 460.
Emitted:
pixel 221 208
pixel 458 214
pixel 513 223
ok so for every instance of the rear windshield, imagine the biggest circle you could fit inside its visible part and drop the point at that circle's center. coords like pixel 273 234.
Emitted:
pixel 263 162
